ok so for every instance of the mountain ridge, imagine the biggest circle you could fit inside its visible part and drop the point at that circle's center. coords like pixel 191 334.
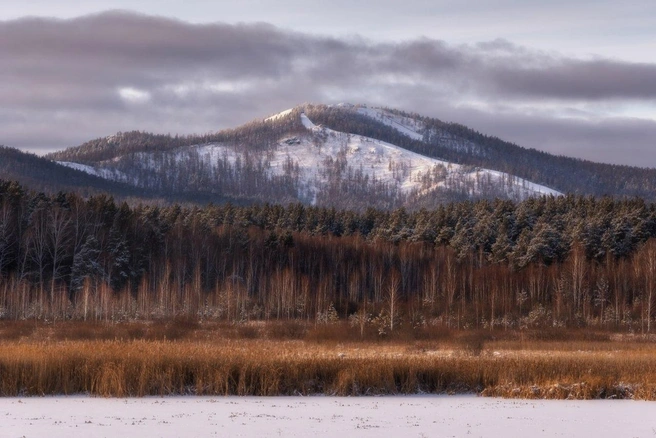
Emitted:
pixel 302 162
pixel 260 161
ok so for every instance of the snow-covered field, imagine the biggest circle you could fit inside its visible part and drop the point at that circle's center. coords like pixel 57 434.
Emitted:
pixel 407 416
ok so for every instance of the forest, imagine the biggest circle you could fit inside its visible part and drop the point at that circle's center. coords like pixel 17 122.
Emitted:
pixel 546 262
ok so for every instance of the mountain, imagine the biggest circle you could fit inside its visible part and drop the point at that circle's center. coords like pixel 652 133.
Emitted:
pixel 347 156
pixel 457 143
pixel 42 174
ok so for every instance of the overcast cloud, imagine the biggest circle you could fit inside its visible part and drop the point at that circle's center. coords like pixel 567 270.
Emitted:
pixel 63 82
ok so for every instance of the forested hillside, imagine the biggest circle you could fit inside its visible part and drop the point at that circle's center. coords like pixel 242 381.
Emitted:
pixel 287 158
pixel 552 261
pixel 43 175
pixel 340 155
pixel 458 143
pixel 255 135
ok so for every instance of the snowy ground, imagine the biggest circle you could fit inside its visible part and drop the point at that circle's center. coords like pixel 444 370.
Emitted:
pixel 407 416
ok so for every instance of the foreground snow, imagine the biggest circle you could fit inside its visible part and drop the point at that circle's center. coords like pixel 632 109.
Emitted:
pixel 412 416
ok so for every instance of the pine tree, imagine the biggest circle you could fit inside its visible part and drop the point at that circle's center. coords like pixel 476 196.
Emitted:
pixel 86 264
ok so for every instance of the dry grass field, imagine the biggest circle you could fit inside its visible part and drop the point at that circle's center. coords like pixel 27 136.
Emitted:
pixel 184 357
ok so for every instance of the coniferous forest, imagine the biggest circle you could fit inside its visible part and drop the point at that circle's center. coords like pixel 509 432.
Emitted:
pixel 545 262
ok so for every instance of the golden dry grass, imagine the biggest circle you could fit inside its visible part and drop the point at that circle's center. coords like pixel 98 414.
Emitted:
pixel 140 360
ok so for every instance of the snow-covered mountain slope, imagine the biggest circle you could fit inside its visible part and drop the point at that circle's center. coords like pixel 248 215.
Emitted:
pixel 102 172
pixel 398 166
pixel 317 166
pixel 405 125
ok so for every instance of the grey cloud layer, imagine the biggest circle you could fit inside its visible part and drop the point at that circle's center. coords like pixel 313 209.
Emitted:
pixel 194 78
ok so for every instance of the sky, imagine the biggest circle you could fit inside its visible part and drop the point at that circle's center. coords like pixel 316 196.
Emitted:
pixel 575 77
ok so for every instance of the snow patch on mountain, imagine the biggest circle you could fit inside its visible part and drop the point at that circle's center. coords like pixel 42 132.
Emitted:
pixel 416 130
pixel 405 125
pixel 308 123
pixel 280 115
pixel 111 174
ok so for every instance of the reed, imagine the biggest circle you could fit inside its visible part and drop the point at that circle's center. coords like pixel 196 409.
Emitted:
pixel 268 364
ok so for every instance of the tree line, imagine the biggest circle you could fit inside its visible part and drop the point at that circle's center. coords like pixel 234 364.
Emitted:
pixel 551 261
